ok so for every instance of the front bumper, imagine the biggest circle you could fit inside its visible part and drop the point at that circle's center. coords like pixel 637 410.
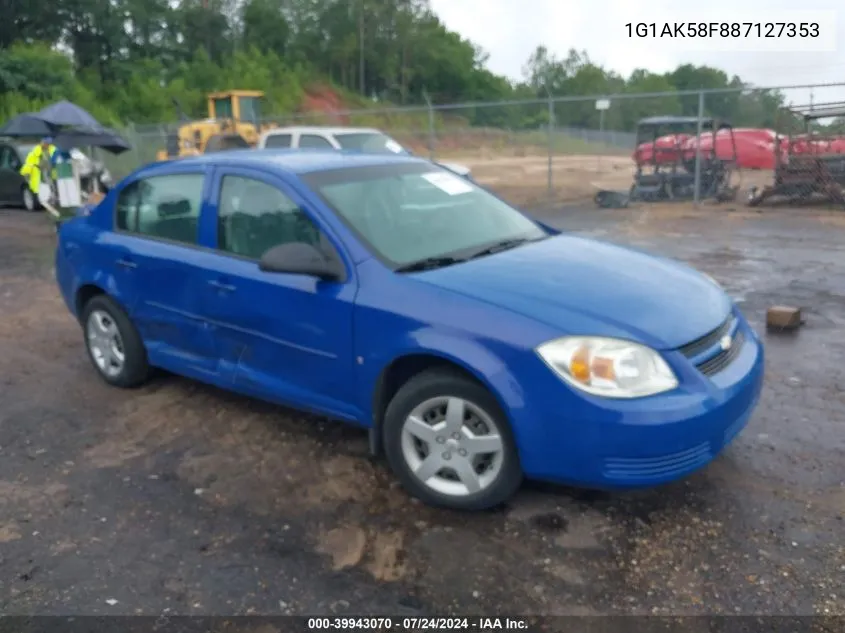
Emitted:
pixel 613 444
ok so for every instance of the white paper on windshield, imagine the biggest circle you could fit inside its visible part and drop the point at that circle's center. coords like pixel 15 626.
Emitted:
pixel 453 185
pixel 393 146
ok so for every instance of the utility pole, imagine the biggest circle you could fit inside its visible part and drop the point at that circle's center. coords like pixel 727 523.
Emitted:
pixel 361 83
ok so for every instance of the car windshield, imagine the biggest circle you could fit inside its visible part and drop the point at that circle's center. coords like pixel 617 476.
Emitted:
pixel 370 142
pixel 416 213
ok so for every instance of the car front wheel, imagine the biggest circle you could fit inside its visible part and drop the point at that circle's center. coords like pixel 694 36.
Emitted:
pixel 450 444
pixel 113 343
pixel 30 202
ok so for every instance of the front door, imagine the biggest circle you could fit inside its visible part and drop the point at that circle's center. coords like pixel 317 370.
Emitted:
pixel 284 337
pixel 156 244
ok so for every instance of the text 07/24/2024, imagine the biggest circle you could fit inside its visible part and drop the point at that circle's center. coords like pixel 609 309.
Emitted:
pixel 419 623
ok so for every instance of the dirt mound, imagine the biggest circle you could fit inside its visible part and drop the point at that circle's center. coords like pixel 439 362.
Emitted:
pixel 324 101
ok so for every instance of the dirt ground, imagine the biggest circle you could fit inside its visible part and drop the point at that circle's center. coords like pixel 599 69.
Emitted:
pixel 575 177
pixel 181 499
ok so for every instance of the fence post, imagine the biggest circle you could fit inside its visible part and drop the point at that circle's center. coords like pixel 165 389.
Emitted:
pixel 550 167
pixel 430 125
pixel 697 192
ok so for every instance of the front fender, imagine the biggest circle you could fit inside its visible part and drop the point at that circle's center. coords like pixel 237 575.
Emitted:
pixel 484 364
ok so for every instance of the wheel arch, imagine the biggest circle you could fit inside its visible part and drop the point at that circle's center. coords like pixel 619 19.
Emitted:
pixel 85 293
pixel 403 368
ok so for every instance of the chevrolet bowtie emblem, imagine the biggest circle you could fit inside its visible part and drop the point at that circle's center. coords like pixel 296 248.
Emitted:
pixel 725 343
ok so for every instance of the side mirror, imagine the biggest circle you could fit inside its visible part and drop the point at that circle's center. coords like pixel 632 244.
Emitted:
pixel 298 258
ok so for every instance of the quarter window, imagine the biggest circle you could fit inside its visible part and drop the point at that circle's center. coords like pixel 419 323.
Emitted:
pixel 254 217
pixel 163 207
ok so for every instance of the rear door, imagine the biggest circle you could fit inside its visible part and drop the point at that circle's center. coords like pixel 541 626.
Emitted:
pixel 154 251
pixel 281 336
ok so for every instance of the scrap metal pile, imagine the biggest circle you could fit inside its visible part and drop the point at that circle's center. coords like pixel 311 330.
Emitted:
pixel 807 159
pixel 810 164
pixel 672 156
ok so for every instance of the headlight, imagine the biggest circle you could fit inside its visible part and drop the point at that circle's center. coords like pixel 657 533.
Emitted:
pixel 608 367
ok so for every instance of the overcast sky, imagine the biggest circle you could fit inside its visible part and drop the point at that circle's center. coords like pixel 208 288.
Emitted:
pixel 510 30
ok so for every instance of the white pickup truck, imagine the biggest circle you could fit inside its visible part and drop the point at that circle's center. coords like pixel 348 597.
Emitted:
pixel 360 139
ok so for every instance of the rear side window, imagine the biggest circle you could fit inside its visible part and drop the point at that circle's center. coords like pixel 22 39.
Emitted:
pixel 162 207
pixel 277 141
pixel 254 217
pixel 314 141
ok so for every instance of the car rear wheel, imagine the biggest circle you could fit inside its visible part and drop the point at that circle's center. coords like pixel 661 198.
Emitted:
pixel 30 202
pixel 113 343
pixel 450 444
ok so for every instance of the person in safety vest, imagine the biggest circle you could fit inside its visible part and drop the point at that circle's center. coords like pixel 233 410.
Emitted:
pixel 39 160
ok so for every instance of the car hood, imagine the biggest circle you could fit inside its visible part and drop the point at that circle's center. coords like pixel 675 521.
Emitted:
pixel 587 287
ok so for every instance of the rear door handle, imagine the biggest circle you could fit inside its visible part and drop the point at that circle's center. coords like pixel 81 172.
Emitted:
pixel 126 263
pixel 221 286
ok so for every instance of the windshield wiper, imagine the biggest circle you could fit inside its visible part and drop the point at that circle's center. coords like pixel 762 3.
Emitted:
pixel 429 263
pixel 503 245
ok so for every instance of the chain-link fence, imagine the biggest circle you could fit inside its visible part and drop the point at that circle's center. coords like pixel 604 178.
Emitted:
pixel 732 144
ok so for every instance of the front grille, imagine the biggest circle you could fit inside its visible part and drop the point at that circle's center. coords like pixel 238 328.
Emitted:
pixel 690 350
pixel 724 358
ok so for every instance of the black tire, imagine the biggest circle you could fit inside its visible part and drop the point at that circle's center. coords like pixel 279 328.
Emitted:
pixel 136 368
pixel 439 383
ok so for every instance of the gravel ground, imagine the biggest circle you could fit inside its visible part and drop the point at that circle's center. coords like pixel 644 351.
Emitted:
pixel 182 499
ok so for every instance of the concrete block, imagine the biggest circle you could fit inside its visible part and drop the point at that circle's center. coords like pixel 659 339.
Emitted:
pixel 783 318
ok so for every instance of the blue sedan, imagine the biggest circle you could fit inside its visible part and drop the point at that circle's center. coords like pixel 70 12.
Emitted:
pixel 477 345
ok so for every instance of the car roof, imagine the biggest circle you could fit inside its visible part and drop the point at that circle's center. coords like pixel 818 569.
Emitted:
pixel 322 129
pixel 297 161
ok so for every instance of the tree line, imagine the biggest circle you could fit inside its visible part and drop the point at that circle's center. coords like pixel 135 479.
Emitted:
pixel 134 60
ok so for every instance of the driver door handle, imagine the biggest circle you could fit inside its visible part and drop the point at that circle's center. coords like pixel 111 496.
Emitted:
pixel 126 263
pixel 222 286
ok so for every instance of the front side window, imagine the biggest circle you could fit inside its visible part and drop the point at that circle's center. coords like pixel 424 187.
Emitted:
pixel 162 207
pixel 15 161
pixel 255 216
pixel 370 143
pixel 250 109
pixel 408 213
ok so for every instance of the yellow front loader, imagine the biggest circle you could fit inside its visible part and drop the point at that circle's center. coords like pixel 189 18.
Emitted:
pixel 233 122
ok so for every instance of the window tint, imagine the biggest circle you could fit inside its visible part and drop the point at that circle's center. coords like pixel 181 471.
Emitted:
pixel 166 207
pixel 314 141
pixel 277 140
pixel 255 216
